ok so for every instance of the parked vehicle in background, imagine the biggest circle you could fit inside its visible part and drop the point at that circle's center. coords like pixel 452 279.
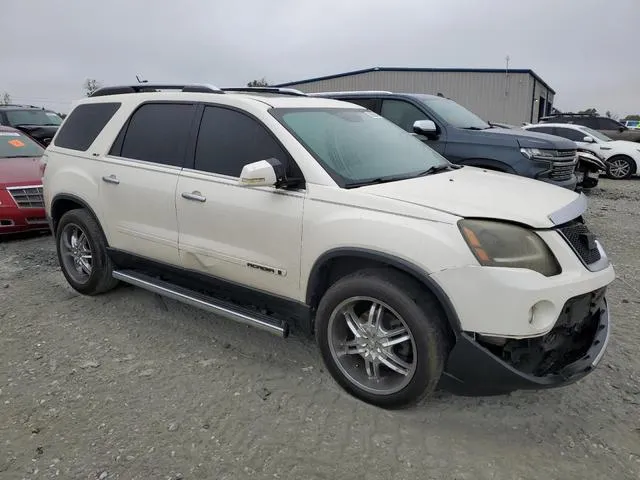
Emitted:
pixel 21 203
pixel 465 139
pixel 621 157
pixel 607 126
pixel 321 215
pixel 37 122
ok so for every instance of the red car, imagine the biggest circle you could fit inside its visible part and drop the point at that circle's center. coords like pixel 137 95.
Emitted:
pixel 21 201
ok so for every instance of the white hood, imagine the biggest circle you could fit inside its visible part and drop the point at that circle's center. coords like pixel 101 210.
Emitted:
pixel 473 192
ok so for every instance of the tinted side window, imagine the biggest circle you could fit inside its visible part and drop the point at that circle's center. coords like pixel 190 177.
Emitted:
pixel 570 134
pixel 608 124
pixel 548 130
pixel 402 113
pixel 370 103
pixel 158 132
pixel 590 122
pixel 228 140
pixel 84 124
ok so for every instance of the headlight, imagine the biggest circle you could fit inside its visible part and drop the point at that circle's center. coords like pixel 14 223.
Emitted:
pixel 539 152
pixel 498 244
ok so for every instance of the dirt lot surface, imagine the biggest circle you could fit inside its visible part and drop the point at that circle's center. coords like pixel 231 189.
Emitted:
pixel 127 385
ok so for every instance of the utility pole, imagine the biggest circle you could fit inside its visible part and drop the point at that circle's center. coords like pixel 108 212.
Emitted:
pixel 506 76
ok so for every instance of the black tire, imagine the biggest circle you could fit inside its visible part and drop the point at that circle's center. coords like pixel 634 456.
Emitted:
pixel 620 160
pixel 100 279
pixel 421 313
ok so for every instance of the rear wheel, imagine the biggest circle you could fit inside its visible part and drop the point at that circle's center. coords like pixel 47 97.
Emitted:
pixel 381 337
pixel 82 253
pixel 620 167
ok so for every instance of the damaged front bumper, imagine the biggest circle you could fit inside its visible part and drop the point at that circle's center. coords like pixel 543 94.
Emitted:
pixel 570 351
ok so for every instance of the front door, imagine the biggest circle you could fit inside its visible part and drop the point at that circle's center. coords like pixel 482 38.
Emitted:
pixel 405 114
pixel 139 178
pixel 247 235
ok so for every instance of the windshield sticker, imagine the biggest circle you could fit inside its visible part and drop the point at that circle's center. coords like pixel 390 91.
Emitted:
pixel 16 143
pixel 9 134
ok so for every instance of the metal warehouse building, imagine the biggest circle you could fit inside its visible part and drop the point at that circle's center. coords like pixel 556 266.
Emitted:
pixel 509 96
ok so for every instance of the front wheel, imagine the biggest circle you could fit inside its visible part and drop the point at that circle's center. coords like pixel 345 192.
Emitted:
pixel 381 338
pixel 619 167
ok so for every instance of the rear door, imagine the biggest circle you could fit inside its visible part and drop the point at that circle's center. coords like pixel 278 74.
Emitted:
pixel 247 235
pixel 405 114
pixel 139 179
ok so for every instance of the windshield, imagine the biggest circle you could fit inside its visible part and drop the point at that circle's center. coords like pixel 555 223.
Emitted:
pixel 14 144
pixel 453 113
pixel 357 146
pixel 31 117
pixel 54 118
pixel 596 134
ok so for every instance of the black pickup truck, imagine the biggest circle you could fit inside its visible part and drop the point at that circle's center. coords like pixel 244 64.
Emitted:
pixel 464 138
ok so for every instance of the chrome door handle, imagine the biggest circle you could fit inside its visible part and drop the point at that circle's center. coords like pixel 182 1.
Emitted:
pixel 111 179
pixel 196 196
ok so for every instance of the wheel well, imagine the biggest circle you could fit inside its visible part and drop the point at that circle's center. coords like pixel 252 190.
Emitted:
pixel 487 164
pixel 338 266
pixel 64 204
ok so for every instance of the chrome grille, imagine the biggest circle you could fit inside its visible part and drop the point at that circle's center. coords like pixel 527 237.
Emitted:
pixel 582 241
pixel 27 197
pixel 563 165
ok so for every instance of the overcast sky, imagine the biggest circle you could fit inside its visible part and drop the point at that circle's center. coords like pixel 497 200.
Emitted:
pixel 587 50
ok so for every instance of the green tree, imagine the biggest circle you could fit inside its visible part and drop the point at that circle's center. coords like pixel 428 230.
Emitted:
pixel 631 117
pixel 90 85
pixel 5 99
pixel 258 83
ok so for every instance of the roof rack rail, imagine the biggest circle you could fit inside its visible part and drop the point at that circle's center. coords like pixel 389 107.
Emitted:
pixel 283 91
pixel 152 87
pixel 19 105
pixel 569 114
pixel 351 92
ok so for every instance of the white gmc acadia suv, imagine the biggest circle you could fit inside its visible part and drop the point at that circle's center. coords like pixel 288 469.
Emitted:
pixel 281 210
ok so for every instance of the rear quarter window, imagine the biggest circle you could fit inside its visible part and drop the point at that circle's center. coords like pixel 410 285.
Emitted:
pixel 84 124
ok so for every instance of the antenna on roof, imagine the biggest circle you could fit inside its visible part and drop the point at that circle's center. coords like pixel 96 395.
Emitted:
pixel 140 80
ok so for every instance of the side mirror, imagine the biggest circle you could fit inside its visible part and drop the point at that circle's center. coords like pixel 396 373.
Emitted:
pixel 622 128
pixel 425 127
pixel 588 139
pixel 264 173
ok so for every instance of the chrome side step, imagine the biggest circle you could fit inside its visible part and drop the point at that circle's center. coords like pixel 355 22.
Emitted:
pixel 198 300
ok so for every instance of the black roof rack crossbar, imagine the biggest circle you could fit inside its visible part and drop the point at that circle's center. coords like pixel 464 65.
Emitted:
pixel 152 87
pixel 280 90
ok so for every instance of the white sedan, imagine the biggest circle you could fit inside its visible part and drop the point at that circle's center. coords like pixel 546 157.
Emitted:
pixel 622 156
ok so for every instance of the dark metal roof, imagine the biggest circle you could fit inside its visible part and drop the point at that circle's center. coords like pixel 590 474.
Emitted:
pixel 405 69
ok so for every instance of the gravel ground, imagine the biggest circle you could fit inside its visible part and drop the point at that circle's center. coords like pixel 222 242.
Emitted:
pixel 131 386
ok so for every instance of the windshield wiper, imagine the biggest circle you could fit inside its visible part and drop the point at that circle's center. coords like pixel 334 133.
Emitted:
pixel 431 170
pixel 476 128
pixel 19 156
pixel 374 181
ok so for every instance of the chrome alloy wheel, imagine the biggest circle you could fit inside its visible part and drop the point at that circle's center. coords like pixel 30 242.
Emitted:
pixel 372 345
pixel 76 252
pixel 619 168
